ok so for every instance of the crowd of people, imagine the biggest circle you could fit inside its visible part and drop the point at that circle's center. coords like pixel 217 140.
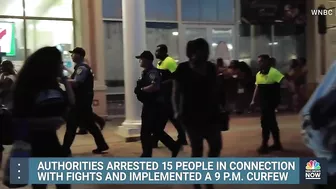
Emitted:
pixel 192 95
pixel 239 88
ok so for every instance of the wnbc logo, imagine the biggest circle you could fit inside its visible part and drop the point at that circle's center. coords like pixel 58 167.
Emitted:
pixel 322 12
pixel 313 170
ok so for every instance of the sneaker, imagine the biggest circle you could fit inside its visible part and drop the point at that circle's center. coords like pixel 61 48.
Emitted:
pixel 263 150
pixel 100 150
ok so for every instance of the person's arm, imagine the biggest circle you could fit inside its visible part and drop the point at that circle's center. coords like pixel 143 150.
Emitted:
pixel 69 90
pixel 176 98
pixel 68 70
pixel 155 83
pixel 255 93
pixel 256 90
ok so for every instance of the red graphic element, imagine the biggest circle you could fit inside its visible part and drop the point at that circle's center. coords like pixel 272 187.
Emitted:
pixel 3 33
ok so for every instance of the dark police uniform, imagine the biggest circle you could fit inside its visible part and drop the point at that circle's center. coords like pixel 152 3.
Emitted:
pixel 269 94
pixel 152 112
pixel 82 113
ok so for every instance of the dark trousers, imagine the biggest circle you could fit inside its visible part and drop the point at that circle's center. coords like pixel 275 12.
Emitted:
pixel 97 119
pixel 152 126
pixel 82 115
pixel 169 115
pixel 269 124
pixel 197 133
pixel 46 144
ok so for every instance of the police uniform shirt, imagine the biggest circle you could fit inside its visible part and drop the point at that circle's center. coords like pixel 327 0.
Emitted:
pixel 151 76
pixel 82 73
pixel 269 86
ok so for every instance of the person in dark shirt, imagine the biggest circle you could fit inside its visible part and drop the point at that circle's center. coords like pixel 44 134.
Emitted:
pixel 167 66
pixel 39 104
pixel 195 99
pixel 268 81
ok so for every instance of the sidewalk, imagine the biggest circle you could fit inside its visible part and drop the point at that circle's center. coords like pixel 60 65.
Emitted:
pixel 241 141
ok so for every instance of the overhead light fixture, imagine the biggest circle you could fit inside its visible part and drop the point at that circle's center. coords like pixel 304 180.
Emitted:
pixel 230 47
pixel 274 43
pixel 214 44
pixel 175 33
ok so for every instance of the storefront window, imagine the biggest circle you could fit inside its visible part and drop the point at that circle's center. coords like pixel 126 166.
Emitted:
pixel 208 10
pixel 11 7
pixel 42 33
pixel 255 40
pixel 12 41
pixel 161 10
pixel 112 9
pixel 290 44
pixel 114 51
pixel 156 34
pixel 49 8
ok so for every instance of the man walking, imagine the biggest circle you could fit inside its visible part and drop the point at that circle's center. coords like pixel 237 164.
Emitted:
pixel 168 65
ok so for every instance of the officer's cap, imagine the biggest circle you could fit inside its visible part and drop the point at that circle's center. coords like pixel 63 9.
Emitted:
pixel 146 55
pixel 78 50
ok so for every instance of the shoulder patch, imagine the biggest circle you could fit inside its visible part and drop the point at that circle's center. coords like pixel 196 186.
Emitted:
pixel 79 71
pixel 152 75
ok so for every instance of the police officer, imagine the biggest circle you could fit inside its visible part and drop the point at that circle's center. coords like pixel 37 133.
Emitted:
pixel 148 92
pixel 99 120
pixel 168 65
pixel 82 113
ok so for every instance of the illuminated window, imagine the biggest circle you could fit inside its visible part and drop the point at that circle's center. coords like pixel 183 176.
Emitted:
pixel 11 7
pixel 42 33
pixel 49 8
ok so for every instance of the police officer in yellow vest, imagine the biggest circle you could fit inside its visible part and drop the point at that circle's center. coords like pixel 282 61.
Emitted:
pixel 168 65
pixel 268 81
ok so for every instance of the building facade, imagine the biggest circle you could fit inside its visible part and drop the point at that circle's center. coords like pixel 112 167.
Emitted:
pixel 97 25
pixel 26 25
pixel 174 22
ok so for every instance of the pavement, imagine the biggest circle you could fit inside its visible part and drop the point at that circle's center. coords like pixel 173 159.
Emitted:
pixel 241 141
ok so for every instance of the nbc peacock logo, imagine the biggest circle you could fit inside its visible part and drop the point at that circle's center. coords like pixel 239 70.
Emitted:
pixel 313 170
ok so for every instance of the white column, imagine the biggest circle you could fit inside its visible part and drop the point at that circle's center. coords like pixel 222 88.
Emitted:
pixel 134 39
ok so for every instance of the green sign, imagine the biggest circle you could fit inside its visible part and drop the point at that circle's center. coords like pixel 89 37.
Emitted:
pixel 7 38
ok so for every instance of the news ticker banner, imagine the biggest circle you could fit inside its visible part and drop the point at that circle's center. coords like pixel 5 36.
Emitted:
pixel 168 171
